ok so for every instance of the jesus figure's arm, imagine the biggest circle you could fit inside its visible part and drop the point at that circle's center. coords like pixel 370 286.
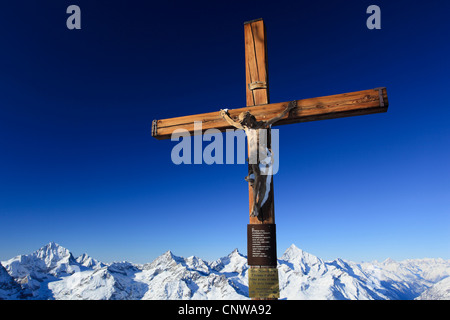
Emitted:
pixel 289 107
pixel 224 114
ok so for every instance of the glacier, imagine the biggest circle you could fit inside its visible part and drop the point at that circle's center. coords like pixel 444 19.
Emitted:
pixel 53 273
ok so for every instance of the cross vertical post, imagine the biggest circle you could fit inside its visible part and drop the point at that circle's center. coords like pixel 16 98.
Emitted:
pixel 257 92
pixel 261 236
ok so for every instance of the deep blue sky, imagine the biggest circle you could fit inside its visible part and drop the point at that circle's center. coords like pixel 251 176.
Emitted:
pixel 78 165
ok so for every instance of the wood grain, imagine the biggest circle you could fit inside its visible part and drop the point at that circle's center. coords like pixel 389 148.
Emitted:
pixel 312 109
pixel 256 68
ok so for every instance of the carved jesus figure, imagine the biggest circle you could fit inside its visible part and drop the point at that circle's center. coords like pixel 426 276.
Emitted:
pixel 260 156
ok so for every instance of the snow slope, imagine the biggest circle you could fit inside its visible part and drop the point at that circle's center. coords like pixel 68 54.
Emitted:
pixel 438 291
pixel 9 289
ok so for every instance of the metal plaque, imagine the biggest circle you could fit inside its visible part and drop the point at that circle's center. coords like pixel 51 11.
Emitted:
pixel 263 283
pixel 261 245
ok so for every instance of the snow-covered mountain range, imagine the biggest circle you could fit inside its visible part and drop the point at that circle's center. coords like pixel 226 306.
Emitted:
pixel 52 272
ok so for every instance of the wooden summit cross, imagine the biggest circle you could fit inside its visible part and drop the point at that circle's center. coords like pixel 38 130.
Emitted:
pixel 259 113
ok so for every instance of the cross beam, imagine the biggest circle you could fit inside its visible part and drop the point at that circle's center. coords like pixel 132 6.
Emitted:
pixel 312 109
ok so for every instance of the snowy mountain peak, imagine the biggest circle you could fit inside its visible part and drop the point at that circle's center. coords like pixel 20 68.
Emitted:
pixel 236 254
pixel 389 261
pixel 51 246
pixel 51 253
pixel 89 262
pixel 294 254
pixel 169 255
pixel 164 261
pixel 235 251
pixel 302 261
pixel 293 250
pixel 235 262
